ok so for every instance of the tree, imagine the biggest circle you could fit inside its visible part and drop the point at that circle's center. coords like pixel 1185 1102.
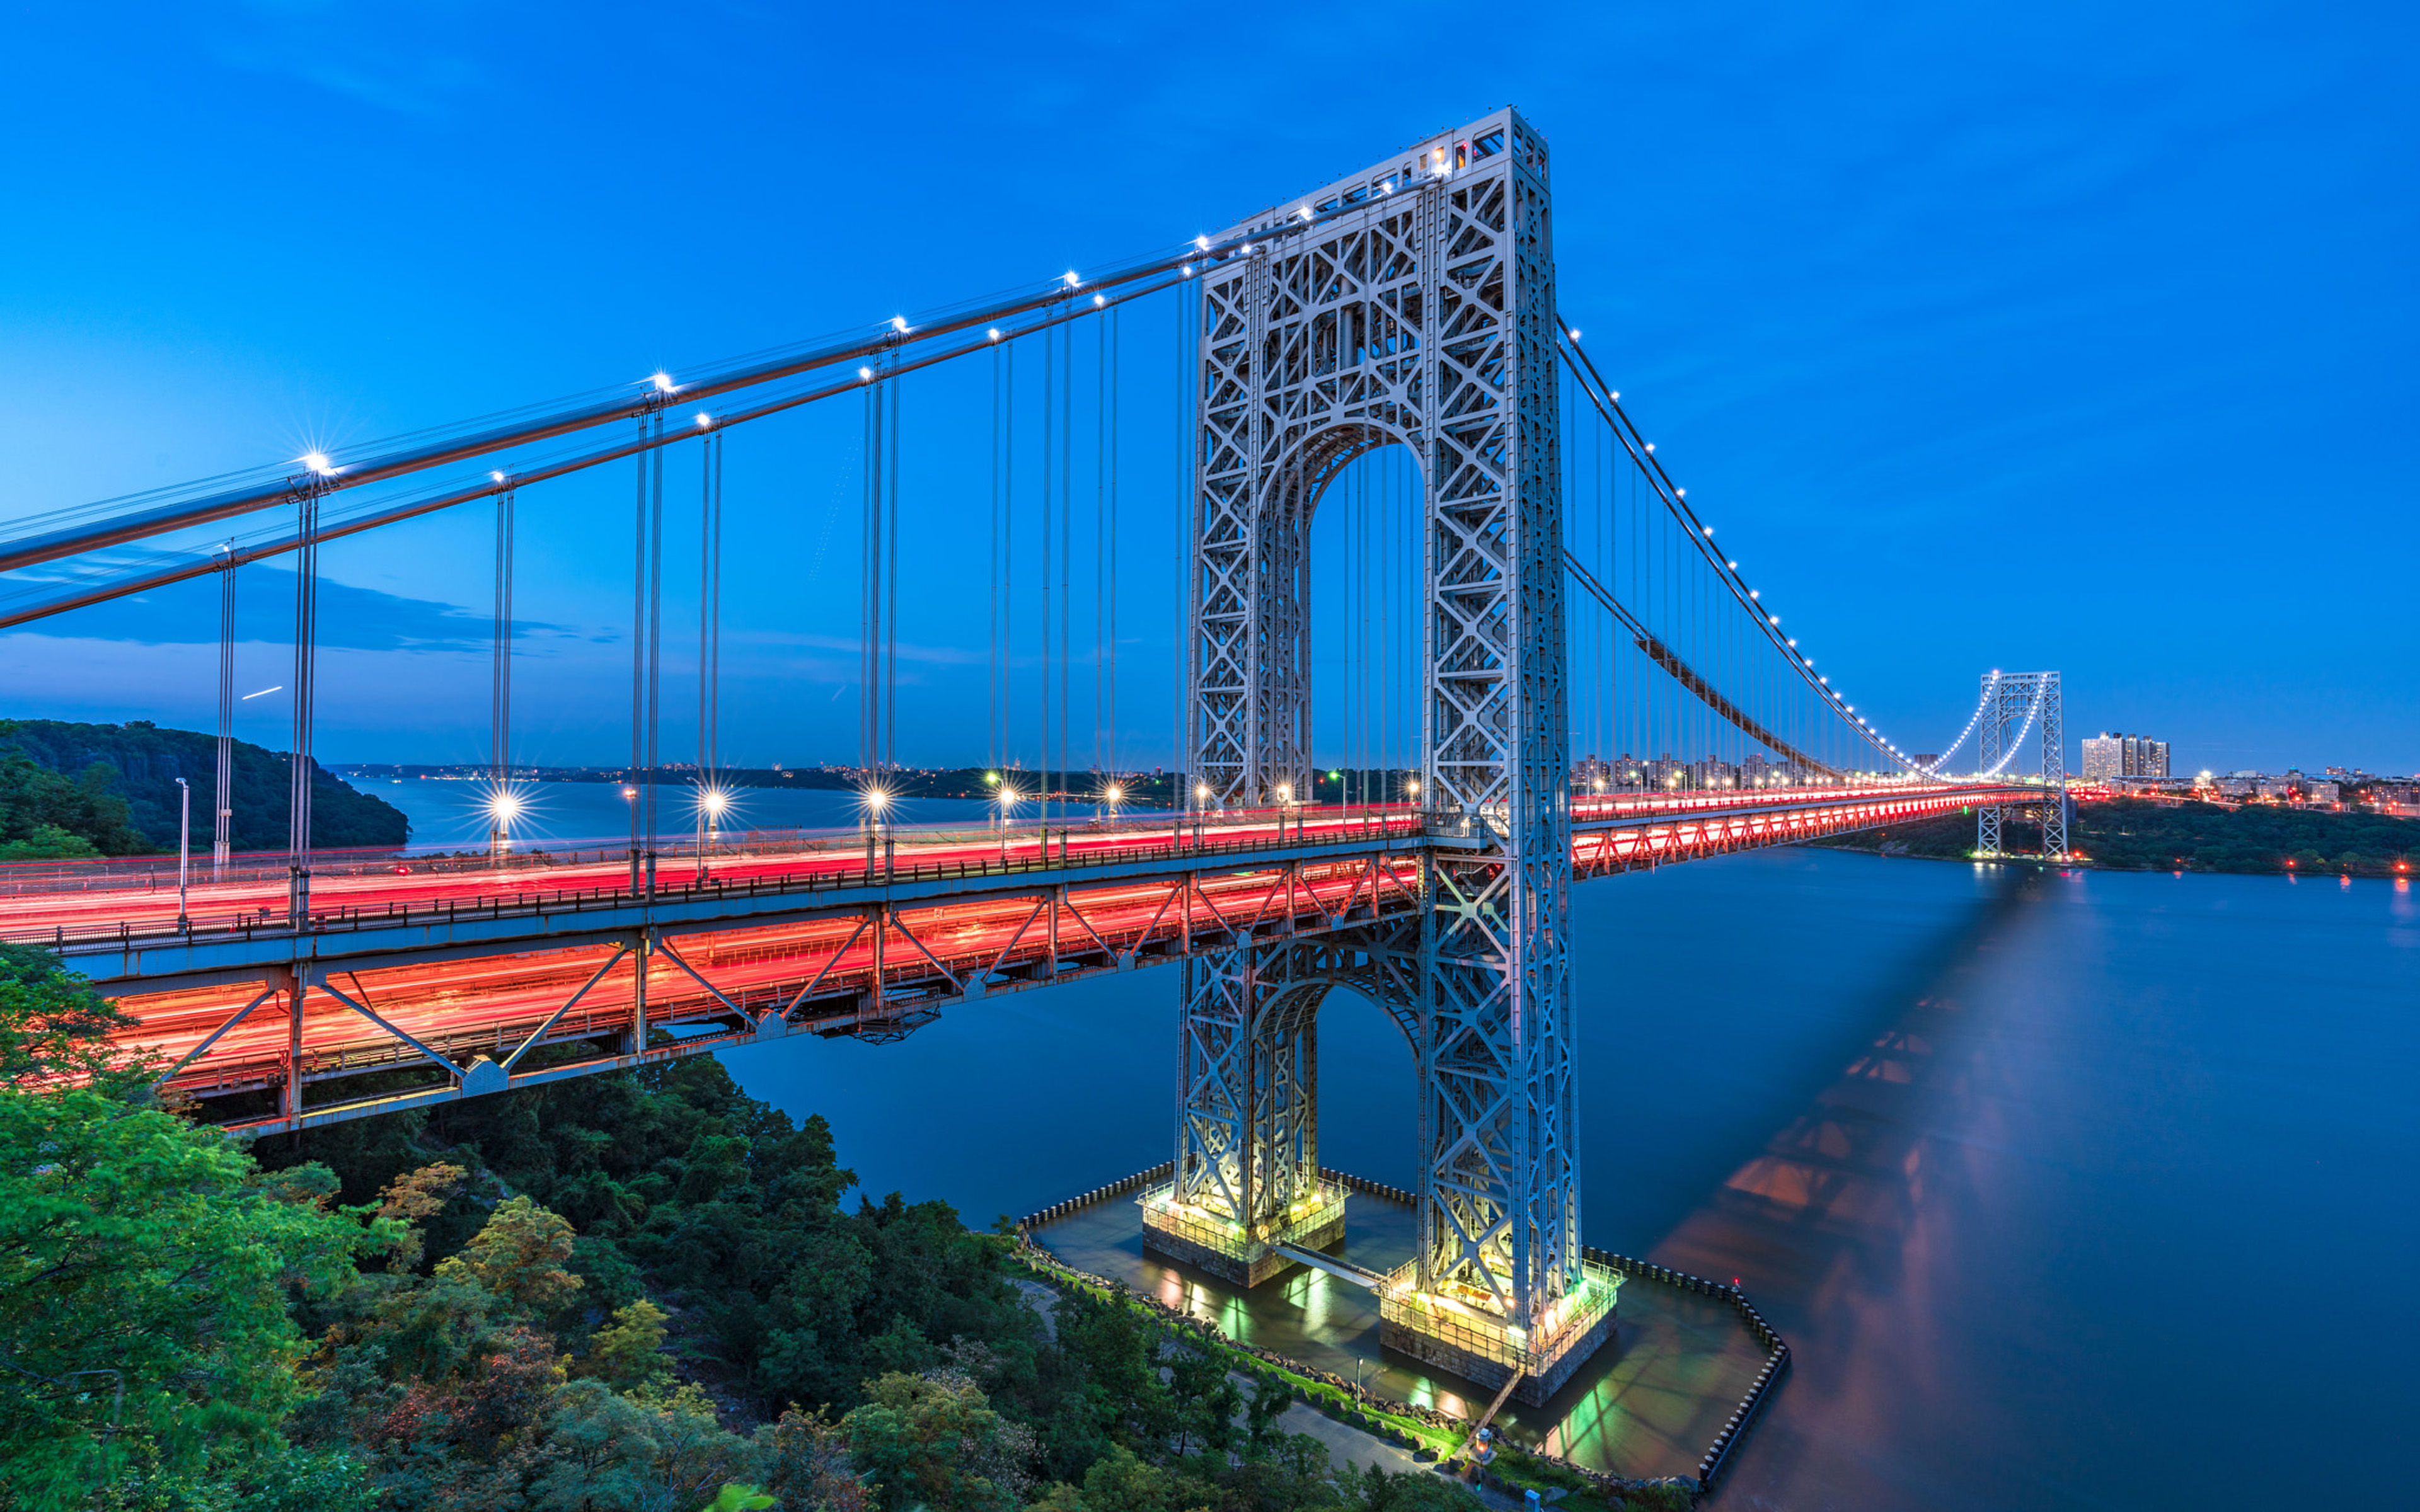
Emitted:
pixel 932 1441
pixel 410 1198
pixel 265 1477
pixel 611 1453
pixel 627 1355
pixel 1271 1396
pixel 807 1465
pixel 519 1258
pixel 45 814
pixel 53 1024
pixel 144 1272
pixel 140 763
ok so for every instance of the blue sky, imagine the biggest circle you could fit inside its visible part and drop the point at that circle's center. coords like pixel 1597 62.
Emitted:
pixel 2049 336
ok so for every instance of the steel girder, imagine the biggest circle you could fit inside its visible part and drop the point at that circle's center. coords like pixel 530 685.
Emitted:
pixel 2017 704
pixel 1426 321
pixel 1247 1059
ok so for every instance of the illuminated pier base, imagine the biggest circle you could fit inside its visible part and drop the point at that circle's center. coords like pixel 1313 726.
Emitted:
pixel 1453 1331
pixel 1212 1241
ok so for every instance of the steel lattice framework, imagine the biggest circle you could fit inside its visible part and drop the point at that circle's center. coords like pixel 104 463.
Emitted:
pixel 1425 320
pixel 2015 704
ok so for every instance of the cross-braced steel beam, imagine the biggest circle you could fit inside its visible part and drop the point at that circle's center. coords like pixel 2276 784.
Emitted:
pixel 1425 319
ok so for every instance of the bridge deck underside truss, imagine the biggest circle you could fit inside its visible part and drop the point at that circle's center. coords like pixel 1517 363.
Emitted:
pixel 876 970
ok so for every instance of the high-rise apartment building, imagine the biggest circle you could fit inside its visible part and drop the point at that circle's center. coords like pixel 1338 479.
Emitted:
pixel 2103 758
pixel 2107 756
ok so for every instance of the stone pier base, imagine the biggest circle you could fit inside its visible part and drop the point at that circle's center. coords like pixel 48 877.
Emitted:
pixel 1215 1247
pixel 1484 1352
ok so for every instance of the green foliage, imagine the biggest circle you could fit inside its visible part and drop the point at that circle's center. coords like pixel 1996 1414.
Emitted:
pixel 133 805
pixel 144 1267
pixel 2134 834
pixel 268 1476
pixel 629 1353
pixel 45 814
pixel 46 842
pixel 626 1273
pixel 2138 835
pixel 807 1464
pixel 518 1258
pixel 53 1024
pixel 610 1452
pixel 409 1199
pixel 935 1442
pixel 724 1210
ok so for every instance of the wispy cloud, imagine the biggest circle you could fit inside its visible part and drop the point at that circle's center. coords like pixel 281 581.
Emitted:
pixel 390 57
pixel 352 617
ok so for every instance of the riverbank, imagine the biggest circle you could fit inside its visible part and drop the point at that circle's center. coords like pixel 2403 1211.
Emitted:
pixel 2137 835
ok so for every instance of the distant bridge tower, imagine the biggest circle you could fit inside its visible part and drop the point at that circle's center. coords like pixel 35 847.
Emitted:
pixel 2017 705
pixel 1422 315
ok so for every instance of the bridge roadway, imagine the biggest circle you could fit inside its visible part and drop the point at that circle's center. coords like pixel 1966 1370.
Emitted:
pixel 470 969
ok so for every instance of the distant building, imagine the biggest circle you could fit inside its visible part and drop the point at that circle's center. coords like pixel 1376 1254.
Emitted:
pixel 2318 792
pixel 2107 756
pixel 2103 757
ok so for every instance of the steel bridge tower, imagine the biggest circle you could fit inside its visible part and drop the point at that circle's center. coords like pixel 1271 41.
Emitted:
pixel 1418 314
pixel 2013 704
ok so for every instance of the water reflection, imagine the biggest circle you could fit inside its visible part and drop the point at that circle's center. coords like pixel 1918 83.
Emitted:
pixel 1830 1221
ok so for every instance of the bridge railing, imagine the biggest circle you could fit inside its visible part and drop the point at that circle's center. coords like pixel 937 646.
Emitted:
pixel 1005 854
pixel 782 863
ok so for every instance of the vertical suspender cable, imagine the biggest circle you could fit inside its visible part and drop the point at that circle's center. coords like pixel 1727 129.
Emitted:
pixel 869 706
pixel 992 757
pixel 655 646
pixel 1189 585
pixel 500 686
pixel 306 635
pixel 709 641
pixel 1007 557
pixel 714 649
pixel 1112 721
pixel 1050 399
pixel 891 591
pixel 1067 540
pixel 1100 542
pixel 638 660
pixel 221 836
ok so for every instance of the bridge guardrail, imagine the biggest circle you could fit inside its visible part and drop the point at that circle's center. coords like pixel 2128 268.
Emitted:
pixel 1078 849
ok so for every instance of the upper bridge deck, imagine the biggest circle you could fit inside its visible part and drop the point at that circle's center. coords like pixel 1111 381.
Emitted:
pixel 469 964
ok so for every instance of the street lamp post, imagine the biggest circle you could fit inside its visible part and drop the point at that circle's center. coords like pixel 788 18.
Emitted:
pixel 184 846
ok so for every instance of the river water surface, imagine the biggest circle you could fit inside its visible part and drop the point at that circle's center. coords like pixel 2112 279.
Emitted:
pixel 2083 1189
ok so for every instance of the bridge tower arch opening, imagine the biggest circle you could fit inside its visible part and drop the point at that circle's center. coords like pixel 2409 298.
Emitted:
pixel 1421 311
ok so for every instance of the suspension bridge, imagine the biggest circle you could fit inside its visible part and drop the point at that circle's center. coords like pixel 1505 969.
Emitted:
pixel 1520 574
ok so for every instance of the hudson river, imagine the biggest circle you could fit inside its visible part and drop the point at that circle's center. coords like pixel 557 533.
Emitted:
pixel 2090 1189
